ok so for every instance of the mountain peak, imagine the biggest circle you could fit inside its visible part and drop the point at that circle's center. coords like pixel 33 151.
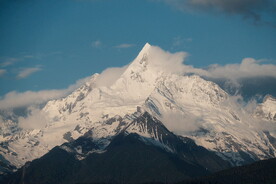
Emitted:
pixel 146 47
pixel 144 51
pixel 138 69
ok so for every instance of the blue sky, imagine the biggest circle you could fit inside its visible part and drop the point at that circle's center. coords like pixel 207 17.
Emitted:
pixel 49 44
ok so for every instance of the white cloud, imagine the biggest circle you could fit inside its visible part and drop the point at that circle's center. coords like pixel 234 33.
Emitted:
pixel 235 76
pixel 248 67
pixel 174 122
pixel 36 119
pixel 2 72
pixel 12 60
pixel 9 61
pixel 16 99
pixel 124 46
pixel 166 61
pixel 109 76
pixel 22 99
pixel 96 44
pixel 25 72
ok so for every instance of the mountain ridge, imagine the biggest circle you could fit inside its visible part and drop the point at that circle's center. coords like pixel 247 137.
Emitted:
pixel 187 105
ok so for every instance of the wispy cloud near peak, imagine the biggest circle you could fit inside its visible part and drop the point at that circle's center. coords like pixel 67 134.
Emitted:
pixel 124 46
pixel 16 99
pixel 25 72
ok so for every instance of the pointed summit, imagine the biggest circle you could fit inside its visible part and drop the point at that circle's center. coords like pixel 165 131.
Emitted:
pixel 144 51
pixel 142 69
pixel 146 46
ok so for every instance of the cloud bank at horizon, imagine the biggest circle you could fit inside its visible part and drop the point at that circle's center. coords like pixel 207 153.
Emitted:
pixel 174 63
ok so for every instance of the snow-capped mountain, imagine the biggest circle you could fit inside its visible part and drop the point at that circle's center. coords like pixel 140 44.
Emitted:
pixel 187 105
